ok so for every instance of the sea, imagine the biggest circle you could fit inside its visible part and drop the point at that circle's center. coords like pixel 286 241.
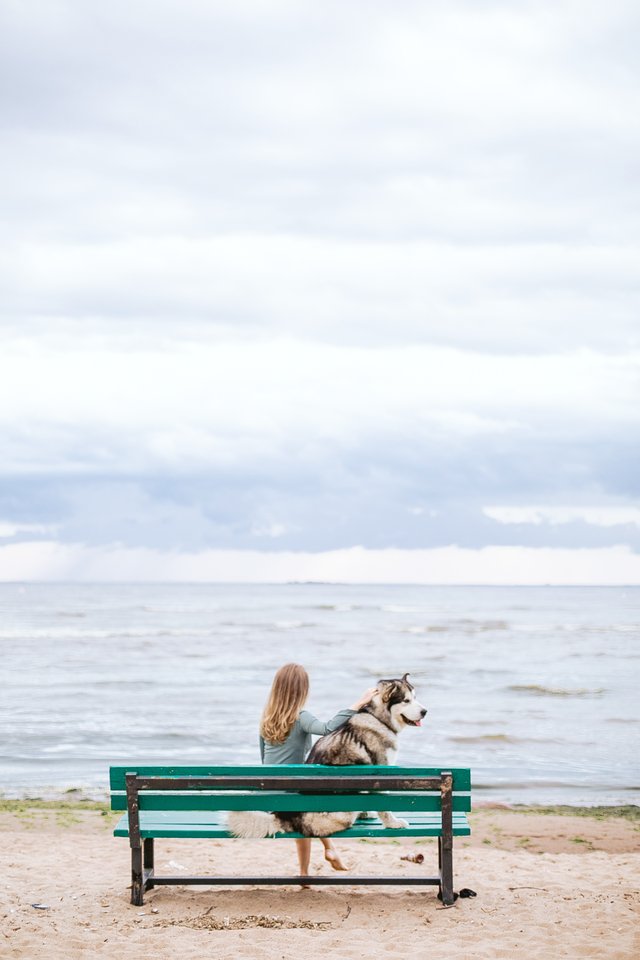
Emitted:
pixel 534 688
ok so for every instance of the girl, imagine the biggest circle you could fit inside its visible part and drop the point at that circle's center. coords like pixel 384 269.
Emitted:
pixel 285 737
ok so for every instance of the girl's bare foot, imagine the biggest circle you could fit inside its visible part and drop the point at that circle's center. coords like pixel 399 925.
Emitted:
pixel 333 857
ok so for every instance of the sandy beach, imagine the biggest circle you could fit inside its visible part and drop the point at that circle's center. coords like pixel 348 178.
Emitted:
pixel 547 885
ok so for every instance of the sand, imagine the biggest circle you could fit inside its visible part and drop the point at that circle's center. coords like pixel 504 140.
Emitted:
pixel 547 886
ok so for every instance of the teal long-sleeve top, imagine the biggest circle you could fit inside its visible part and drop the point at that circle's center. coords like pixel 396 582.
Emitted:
pixel 298 743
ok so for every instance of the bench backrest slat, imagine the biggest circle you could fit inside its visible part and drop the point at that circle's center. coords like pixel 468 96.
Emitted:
pixel 461 776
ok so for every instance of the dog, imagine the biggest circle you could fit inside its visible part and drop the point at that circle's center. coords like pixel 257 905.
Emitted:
pixel 370 736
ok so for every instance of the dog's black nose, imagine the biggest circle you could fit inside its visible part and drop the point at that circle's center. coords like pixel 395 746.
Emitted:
pixel 423 712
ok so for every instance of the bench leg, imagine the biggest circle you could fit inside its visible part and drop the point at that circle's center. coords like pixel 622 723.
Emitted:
pixel 137 880
pixel 147 862
pixel 445 863
pixel 141 871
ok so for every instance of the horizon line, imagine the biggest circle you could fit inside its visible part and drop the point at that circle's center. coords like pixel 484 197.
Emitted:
pixel 319 583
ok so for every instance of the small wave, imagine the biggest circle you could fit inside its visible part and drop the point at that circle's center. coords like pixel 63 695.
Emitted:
pixel 453 626
pixel 535 784
pixel 290 624
pixel 540 691
pixel 503 738
pixel 70 613
pixel 179 610
pixel 61 633
pixel 418 674
pixel 489 671
pixel 604 630
pixel 393 608
pixel 485 624
pixel 622 720
pixel 339 607
pixel 486 738
pixel 118 683
pixel 475 723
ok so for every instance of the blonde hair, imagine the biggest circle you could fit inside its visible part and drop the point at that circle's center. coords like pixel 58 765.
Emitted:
pixel 289 691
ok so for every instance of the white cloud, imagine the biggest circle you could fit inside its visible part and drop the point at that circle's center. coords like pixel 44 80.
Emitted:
pixel 10 529
pixel 508 296
pixel 599 516
pixel 449 565
pixel 187 406
pixel 272 530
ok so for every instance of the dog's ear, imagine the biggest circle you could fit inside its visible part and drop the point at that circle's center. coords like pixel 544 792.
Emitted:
pixel 405 679
pixel 385 687
pixel 392 692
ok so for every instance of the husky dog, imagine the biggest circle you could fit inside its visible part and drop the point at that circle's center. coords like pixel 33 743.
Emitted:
pixel 368 737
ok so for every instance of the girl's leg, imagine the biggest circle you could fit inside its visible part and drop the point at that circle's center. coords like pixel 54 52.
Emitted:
pixel 332 855
pixel 303 848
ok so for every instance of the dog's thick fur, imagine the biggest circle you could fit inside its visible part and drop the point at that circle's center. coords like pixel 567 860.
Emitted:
pixel 368 737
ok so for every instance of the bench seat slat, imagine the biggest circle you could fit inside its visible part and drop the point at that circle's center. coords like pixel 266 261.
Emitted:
pixel 191 817
pixel 182 824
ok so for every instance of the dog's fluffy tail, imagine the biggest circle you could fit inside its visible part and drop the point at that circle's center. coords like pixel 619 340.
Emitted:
pixel 252 824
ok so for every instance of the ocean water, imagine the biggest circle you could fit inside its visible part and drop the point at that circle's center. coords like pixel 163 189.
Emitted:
pixel 536 689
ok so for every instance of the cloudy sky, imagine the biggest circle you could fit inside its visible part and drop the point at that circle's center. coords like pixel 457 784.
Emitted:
pixel 337 291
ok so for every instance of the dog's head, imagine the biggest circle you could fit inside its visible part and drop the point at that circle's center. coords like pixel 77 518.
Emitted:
pixel 399 698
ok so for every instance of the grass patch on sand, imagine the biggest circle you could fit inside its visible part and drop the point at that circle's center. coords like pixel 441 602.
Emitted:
pixel 64 808
pixel 629 812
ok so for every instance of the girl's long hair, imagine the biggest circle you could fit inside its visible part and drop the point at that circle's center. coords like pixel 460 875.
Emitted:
pixel 289 692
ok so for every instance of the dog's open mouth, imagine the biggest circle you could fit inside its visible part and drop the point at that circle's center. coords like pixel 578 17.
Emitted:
pixel 412 723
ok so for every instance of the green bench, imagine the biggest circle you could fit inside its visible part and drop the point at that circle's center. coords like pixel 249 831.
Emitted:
pixel 191 802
